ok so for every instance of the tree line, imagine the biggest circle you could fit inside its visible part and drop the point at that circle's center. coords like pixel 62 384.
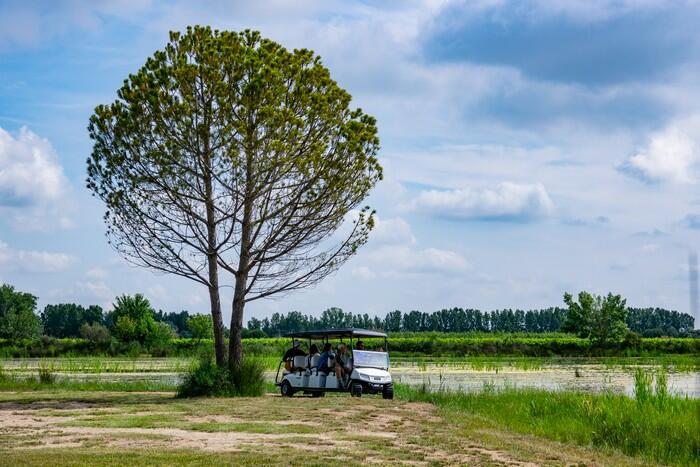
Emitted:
pixel 133 319
pixel 649 322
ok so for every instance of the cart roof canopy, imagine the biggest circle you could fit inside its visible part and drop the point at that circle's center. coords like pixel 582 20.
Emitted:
pixel 332 333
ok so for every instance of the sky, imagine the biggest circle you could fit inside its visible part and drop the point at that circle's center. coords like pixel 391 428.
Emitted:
pixel 530 148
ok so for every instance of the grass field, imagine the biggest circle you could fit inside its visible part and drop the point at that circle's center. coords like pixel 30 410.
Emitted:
pixel 49 417
pixel 65 427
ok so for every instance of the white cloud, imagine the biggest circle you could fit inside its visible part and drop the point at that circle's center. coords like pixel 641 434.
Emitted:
pixel 506 201
pixel 97 273
pixel 33 261
pixel 395 260
pixel 670 156
pixel 32 184
pixel 364 273
pixel 97 289
pixel 157 292
pixel 391 231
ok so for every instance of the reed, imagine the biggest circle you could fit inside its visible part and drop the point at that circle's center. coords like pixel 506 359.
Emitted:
pixel 656 427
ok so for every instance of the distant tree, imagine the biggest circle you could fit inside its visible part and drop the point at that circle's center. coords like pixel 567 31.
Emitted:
pixel 200 327
pixel 601 319
pixel 65 319
pixel 177 320
pixel 17 318
pixel 133 318
pixel 392 322
pixel 93 314
pixel 254 323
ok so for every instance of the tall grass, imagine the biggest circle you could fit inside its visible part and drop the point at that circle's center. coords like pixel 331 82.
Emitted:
pixel 10 383
pixel 656 427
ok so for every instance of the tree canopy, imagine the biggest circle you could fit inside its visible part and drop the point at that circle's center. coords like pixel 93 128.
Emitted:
pixel 228 151
pixel 17 318
pixel 600 318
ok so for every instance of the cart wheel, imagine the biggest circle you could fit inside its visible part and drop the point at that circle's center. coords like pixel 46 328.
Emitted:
pixel 356 390
pixel 286 389
pixel 388 391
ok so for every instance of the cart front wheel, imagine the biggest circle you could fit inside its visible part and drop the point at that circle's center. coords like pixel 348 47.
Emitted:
pixel 356 390
pixel 286 389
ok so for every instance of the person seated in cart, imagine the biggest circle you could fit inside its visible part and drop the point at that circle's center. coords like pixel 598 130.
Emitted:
pixel 289 355
pixel 343 363
pixel 313 352
pixel 359 345
pixel 325 357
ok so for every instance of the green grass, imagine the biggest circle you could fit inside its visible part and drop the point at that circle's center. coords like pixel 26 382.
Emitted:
pixel 34 384
pixel 657 428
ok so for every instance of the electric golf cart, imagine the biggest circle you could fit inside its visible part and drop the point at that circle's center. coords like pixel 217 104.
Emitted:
pixel 367 371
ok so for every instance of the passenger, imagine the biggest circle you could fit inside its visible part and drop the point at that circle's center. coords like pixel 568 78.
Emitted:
pixel 313 352
pixel 295 351
pixel 325 356
pixel 360 345
pixel 343 365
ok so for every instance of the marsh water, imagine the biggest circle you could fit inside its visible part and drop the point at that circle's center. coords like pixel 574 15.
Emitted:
pixel 591 377
pixel 594 375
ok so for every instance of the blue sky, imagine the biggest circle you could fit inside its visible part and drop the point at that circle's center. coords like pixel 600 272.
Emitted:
pixel 529 148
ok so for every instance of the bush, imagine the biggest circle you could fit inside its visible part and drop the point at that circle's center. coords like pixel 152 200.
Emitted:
pixel 160 335
pixel 97 334
pixel 208 379
pixel 253 334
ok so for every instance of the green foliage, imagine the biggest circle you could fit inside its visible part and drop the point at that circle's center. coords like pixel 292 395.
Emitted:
pixel 201 327
pixel 17 318
pixel 601 319
pixel 65 319
pixel 46 376
pixel 417 345
pixel 96 333
pixel 159 337
pixel 177 320
pixel 208 379
pixel 133 318
pixel 665 433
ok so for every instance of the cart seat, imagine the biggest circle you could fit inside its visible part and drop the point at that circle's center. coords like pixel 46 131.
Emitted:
pixel 299 362
pixel 313 363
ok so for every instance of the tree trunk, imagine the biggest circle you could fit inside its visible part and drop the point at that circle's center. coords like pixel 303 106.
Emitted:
pixel 214 298
pixel 235 348
pixel 235 345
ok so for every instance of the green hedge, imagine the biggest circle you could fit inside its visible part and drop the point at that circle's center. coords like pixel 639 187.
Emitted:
pixel 433 345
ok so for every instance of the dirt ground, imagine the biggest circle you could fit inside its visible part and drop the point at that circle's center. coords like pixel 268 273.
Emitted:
pixel 155 428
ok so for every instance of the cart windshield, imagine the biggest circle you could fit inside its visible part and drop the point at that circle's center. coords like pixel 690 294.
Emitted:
pixel 367 359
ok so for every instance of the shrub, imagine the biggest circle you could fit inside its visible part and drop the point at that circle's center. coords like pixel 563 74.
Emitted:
pixel 97 334
pixel 253 334
pixel 208 379
pixel 159 335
